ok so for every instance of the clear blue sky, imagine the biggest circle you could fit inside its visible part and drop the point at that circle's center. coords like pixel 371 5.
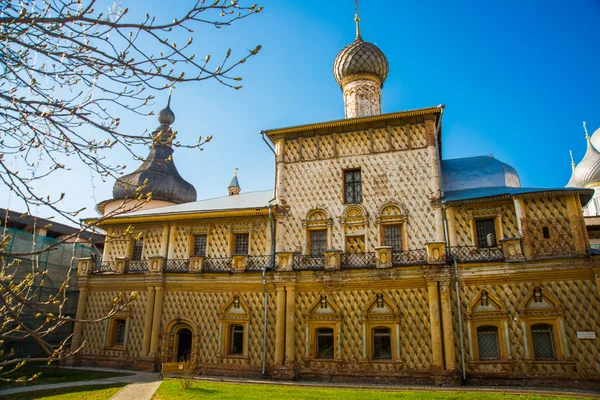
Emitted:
pixel 517 77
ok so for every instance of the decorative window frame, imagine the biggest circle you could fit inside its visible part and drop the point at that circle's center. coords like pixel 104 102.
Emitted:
pixel 486 213
pixel 196 232
pixel 170 338
pixel 317 320
pixel 392 213
pixel 371 320
pixel 355 222
pixel 226 320
pixel 110 330
pixel 234 230
pixel 497 318
pixel 553 316
pixel 316 219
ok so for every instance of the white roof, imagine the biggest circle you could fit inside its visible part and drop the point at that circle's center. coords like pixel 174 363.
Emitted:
pixel 242 201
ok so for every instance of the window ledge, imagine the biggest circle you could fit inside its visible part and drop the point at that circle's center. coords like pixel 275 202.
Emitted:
pixel 115 348
pixel 324 360
pixel 396 362
pixel 487 362
pixel 236 357
pixel 563 362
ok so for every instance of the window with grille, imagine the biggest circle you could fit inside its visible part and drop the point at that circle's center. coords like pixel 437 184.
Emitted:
pixel 546 232
pixel 392 236
pixel 382 344
pixel 199 246
pixel 236 338
pixel 241 243
pixel 325 343
pixel 352 187
pixel 543 343
pixel 120 326
pixel 318 243
pixel 136 253
pixel 487 342
pixel 485 227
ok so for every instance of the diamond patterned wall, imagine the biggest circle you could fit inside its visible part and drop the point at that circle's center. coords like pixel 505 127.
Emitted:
pixel 415 338
pixel 98 306
pixel 203 308
pixel 581 305
pixel 397 176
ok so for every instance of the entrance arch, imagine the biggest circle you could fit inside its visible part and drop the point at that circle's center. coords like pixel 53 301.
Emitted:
pixel 184 345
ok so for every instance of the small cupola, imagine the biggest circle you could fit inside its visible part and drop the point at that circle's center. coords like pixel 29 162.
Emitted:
pixel 234 186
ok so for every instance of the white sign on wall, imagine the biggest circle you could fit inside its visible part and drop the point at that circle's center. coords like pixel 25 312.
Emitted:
pixel 586 335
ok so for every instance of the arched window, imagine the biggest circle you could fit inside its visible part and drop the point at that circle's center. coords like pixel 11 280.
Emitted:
pixel 382 343
pixel 236 340
pixel 325 343
pixel 543 342
pixel 487 342
pixel 184 344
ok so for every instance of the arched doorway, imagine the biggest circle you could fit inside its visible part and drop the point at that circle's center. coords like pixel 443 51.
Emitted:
pixel 184 344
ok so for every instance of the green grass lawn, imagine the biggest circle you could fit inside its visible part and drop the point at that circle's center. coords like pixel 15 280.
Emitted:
pixel 53 374
pixel 97 392
pixel 172 389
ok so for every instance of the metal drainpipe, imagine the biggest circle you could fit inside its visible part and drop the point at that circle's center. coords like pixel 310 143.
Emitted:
pixel 265 293
pixel 458 304
pixel 264 270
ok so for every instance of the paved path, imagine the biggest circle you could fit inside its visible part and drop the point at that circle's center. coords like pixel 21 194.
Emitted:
pixel 144 382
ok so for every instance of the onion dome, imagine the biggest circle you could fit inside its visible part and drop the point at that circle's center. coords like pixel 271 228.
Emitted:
pixel 360 58
pixel 596 139
pixel 587 172
pixel 163 180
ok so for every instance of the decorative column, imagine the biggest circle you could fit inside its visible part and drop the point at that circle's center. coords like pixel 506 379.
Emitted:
pixel 80 315
pixel 435 326
pixel 451 218
pixel 439 223
pixel 520 212
pixel 171 243
pixel 148 321
pixel 156 318
pixel 107 245
pixel 280 326
pixel 580 236
pixel 290 324
pixel 448 328
pixel 164 241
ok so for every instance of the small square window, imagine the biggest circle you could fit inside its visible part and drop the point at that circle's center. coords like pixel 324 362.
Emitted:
pixel 199 246
pixel 137 248
pixel 241 243
pixel 486 233
pixel 546 232
pixel 352 187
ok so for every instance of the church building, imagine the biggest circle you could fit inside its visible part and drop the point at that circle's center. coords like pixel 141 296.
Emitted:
pixel 372 259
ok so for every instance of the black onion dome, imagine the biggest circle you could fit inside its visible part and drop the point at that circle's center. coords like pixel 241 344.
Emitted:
pixel 360 58
pixel 164 181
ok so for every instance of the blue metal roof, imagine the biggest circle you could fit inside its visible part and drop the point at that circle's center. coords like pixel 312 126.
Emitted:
pixel 487 192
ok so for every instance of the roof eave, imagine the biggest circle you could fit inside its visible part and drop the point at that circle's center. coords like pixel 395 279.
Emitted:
pixel 585 194
pixel 275 134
